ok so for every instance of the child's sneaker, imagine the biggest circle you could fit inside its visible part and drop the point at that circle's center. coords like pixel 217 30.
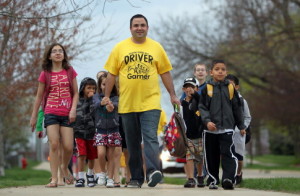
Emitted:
pixel 190 183
pixel 90 180
pixel 102 179
pixel 200 181
pixel 133 184
pixel 80 182
pixel 110 183
pixel 227 184
pixel 238 179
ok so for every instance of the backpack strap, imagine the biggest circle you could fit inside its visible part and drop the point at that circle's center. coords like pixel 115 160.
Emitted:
pixel 47 89
pixel 231 91
pixel 210 90
pixel 70 78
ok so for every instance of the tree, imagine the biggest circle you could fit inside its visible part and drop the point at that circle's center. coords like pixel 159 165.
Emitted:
pixel 259 41
pixel 26 28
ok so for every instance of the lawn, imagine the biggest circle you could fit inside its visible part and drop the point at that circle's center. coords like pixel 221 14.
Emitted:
pixel 266 162
pixel 290 185
pixel 275 162
pixel 15 177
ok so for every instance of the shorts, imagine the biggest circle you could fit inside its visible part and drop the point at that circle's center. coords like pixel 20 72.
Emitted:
pixel 110 139
pixel 86 148
pixel 52 119
pixel 195 145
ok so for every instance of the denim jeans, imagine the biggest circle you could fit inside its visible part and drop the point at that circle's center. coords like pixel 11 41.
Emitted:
pixel 140 126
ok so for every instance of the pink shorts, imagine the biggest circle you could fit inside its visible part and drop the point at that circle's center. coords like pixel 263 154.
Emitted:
pixel 86 148
pixel 111 139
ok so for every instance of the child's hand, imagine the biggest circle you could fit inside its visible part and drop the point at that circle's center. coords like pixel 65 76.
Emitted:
pixel 33 123
pixel 211 126
pixel 190 91
pixel 90 94
pixel 243 132
pixel 110 107
pixel 105 101
pixel 72 116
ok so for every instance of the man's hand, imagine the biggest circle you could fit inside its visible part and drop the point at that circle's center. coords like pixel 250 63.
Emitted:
pixel 175 100
pixel 211 126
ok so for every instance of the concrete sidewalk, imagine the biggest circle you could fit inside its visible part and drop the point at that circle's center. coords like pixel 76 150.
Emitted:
pixel 247 173
pixel 159 190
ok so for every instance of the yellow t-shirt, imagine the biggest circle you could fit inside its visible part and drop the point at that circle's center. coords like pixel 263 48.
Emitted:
pixel 138 67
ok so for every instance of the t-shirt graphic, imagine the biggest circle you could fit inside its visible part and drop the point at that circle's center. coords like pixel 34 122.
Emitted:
pixel 137 67
pixel 59 100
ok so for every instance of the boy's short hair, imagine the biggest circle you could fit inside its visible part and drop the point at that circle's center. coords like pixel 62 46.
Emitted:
pixel 216 61
pixel 233 78
pixel 200 64
pixel 191 81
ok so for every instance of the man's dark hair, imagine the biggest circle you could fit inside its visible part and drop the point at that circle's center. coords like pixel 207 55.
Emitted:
pixel 233 78
pixel 138 16
pixel 216 61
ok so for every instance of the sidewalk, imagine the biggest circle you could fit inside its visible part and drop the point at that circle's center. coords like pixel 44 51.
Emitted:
pixel 255 173
pixel 247 173
pixel 159 190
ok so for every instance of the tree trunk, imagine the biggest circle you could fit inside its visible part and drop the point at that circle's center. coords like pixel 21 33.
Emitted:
pixel 2 158
pixel 295 132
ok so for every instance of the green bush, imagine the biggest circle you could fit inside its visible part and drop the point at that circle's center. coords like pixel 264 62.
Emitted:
pixel 281 144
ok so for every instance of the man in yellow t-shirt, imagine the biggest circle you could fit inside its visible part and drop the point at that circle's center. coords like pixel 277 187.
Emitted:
pixel 138 61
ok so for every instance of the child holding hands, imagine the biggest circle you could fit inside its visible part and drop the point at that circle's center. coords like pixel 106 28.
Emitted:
pixel 107 135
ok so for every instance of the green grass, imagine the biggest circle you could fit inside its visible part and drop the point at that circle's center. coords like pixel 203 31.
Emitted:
pixel 15 177
pixel 265 162
pixel 290 185
pixel 177 181
pixel 275 162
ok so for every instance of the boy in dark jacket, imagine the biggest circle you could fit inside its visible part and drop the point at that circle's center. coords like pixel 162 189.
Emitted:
pixel 220 114
pixel 194 131
pixel 84 131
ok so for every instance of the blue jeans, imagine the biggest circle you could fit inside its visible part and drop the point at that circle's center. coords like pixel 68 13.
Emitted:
pixel 140 126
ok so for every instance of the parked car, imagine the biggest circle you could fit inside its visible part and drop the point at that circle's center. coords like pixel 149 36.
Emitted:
pixel 171 164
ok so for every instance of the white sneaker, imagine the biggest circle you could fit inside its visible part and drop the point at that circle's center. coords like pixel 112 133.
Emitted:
pixel 102 179
pixel 110 183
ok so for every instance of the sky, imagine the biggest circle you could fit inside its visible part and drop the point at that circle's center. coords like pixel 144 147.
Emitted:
pixel 119 14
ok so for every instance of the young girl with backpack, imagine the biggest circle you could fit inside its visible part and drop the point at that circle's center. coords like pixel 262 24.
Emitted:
pixel 107 136
pixel 58 94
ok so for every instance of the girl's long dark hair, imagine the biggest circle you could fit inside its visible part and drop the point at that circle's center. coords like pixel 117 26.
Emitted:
pixel 47 63
pixel 114 90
